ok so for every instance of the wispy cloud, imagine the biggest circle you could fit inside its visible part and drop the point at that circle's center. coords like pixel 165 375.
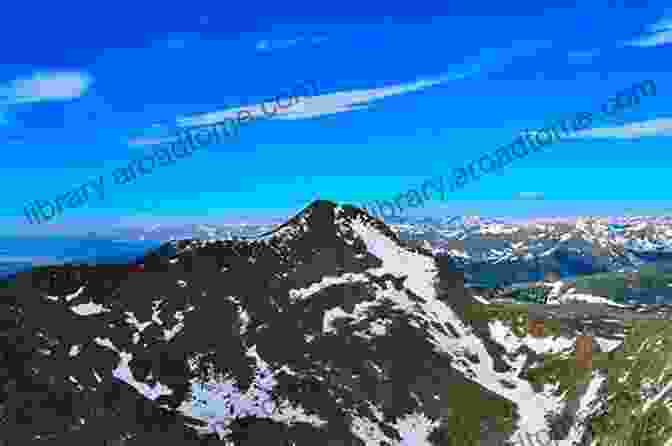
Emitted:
pixel 663 24
pixel 291 116
pixel 327 104
pixel 267 45
pixel 355 100
pixel 635 130
pixel 658 39
pixel 660 33
pixel 46 86
pixel 141 141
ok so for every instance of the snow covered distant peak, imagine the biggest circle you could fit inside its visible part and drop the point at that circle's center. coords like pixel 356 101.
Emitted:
pixel 573 297
pixel 524 251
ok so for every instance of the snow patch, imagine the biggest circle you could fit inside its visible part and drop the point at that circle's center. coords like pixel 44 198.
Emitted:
pixel 89 309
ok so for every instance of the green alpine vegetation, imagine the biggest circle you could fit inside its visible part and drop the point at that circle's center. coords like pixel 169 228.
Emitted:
pixel 636 407
pixel 638 403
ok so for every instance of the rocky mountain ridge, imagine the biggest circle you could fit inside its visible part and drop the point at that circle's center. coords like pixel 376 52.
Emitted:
pixel 329 330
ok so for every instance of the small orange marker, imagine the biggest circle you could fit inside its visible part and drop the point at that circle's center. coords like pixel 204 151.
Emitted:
pixel 584 351
pixel 535 328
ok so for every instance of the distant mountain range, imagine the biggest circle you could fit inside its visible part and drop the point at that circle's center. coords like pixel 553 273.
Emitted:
pixel 490 251
pixel 497 253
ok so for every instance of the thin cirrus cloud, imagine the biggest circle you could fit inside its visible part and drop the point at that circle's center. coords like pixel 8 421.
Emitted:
pixel 326 104
pixel 354 100
pixel 664 24
pixel 660 33
pixel 142 141
pixel 634 130
pixel 304 108
pixel 46 86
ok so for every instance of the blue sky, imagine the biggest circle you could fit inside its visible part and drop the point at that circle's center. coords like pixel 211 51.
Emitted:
pixel 435 88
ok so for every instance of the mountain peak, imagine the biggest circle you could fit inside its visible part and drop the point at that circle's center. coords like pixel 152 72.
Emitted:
pixel 322 218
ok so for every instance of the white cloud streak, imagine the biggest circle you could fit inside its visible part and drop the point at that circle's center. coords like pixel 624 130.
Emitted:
pixel 142 141
pixel 352 100
pixel 660 33
pixel 635 130
pixel 663 24
pixel 315 106
pixel 303 108
pixel 46 86
pixel 658 39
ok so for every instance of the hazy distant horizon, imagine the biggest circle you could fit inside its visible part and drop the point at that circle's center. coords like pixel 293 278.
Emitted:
pixel 528 211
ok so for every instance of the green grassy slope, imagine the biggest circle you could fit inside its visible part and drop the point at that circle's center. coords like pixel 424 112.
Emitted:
pixel 637 406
